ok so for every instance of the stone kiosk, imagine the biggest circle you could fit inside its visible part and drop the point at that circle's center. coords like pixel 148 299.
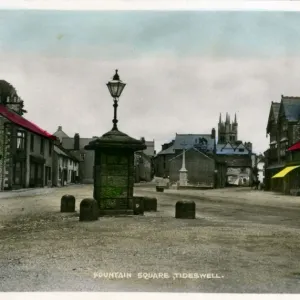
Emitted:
pixel 114 171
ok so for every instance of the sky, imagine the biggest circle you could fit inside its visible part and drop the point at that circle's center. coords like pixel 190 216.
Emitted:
pixel 181 69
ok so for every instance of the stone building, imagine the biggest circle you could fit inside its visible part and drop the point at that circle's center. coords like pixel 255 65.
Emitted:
pixel 202 170
pixel 75 146
pixel 206 143
pixel 281 161
pixel 161 161
pixel 233 152
pixel 238 159
pixel 65 167
pixel 144 162
pixel 25 149
pixel 143 167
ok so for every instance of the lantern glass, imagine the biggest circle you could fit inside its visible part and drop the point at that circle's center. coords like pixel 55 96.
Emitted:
pixel 116 88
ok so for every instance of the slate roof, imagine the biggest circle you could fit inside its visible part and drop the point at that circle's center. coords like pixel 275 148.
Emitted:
pixel 291 106
pixel 169 150
pixel 192 140
pixel 231 149
pixel 61 151
pixel 275 107
pixel 190 149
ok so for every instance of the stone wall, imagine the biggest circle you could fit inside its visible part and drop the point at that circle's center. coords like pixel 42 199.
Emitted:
pixel 5 161
pixel 161 164
pixel 113 185
pixel 294 133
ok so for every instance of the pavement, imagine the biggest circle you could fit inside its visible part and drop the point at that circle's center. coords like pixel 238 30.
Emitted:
pixel 242 241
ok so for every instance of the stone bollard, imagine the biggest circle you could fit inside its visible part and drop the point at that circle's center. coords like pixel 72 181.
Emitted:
pixel 159 188
pixel 150 204
pixel 67 203
pixel 185 210
pixel 88 210
pixel 138 205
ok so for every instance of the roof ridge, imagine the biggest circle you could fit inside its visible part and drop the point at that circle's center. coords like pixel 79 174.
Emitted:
pixel 289 97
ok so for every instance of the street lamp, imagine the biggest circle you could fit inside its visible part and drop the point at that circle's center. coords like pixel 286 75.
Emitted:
pixel 115 87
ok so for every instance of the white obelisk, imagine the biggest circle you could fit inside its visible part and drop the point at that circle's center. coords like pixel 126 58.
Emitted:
pixel 183 180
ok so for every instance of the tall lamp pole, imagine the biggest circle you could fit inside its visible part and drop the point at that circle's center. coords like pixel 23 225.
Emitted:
pixel 115 87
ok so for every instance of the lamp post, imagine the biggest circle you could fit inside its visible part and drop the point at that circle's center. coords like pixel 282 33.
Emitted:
pixel 183 171
pixel 115 87
pixel 114 163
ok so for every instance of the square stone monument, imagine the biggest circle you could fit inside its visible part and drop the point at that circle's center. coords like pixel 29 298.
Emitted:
pixel 114 171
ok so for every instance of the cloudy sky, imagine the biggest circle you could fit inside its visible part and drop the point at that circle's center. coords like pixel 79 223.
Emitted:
pixel 181 68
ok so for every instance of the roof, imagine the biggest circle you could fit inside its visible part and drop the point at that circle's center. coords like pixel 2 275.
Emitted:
pixel 169 150
pixel 275 108
pixel 24 123
pixel 61 151
pixel 192 140
pixel 291 107
pixel 274 111
pixel 230 148
pixel 60 133
pixel 294 147
pixel 192 148
pixel 116 139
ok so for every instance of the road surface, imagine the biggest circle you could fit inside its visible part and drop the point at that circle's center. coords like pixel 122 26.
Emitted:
pixel 242 241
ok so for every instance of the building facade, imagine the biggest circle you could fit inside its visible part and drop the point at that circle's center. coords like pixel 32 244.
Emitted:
pixel 65 167
pixel 238 159
pixel 144 162
pixel 75 146
pixel 25 148
pixel 202 170
pixel 283 128
pixel 161 161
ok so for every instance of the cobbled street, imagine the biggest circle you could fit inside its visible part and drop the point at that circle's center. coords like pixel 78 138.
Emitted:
pixel 249 239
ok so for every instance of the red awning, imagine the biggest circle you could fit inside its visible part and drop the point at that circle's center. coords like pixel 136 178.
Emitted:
pixel 294 147
pixel 22 122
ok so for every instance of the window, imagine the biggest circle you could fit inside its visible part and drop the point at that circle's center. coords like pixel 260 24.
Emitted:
pixel 32 142
pixel 20 140
pixel 42 146
pixel 241 150
pixel 82 155
pixel 50 148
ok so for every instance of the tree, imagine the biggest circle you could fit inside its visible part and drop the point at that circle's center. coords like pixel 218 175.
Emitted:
pixel 7 91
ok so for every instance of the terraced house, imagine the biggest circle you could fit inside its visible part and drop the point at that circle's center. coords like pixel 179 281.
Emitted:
pixel 282 161
pixel 25 149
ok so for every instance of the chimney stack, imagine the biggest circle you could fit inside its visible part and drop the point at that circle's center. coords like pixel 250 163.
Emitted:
pixel 76 141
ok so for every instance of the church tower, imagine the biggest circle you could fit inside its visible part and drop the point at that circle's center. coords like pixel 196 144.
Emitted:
pixel 227 131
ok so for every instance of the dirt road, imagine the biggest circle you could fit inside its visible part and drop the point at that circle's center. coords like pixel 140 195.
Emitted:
pixel 243 240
